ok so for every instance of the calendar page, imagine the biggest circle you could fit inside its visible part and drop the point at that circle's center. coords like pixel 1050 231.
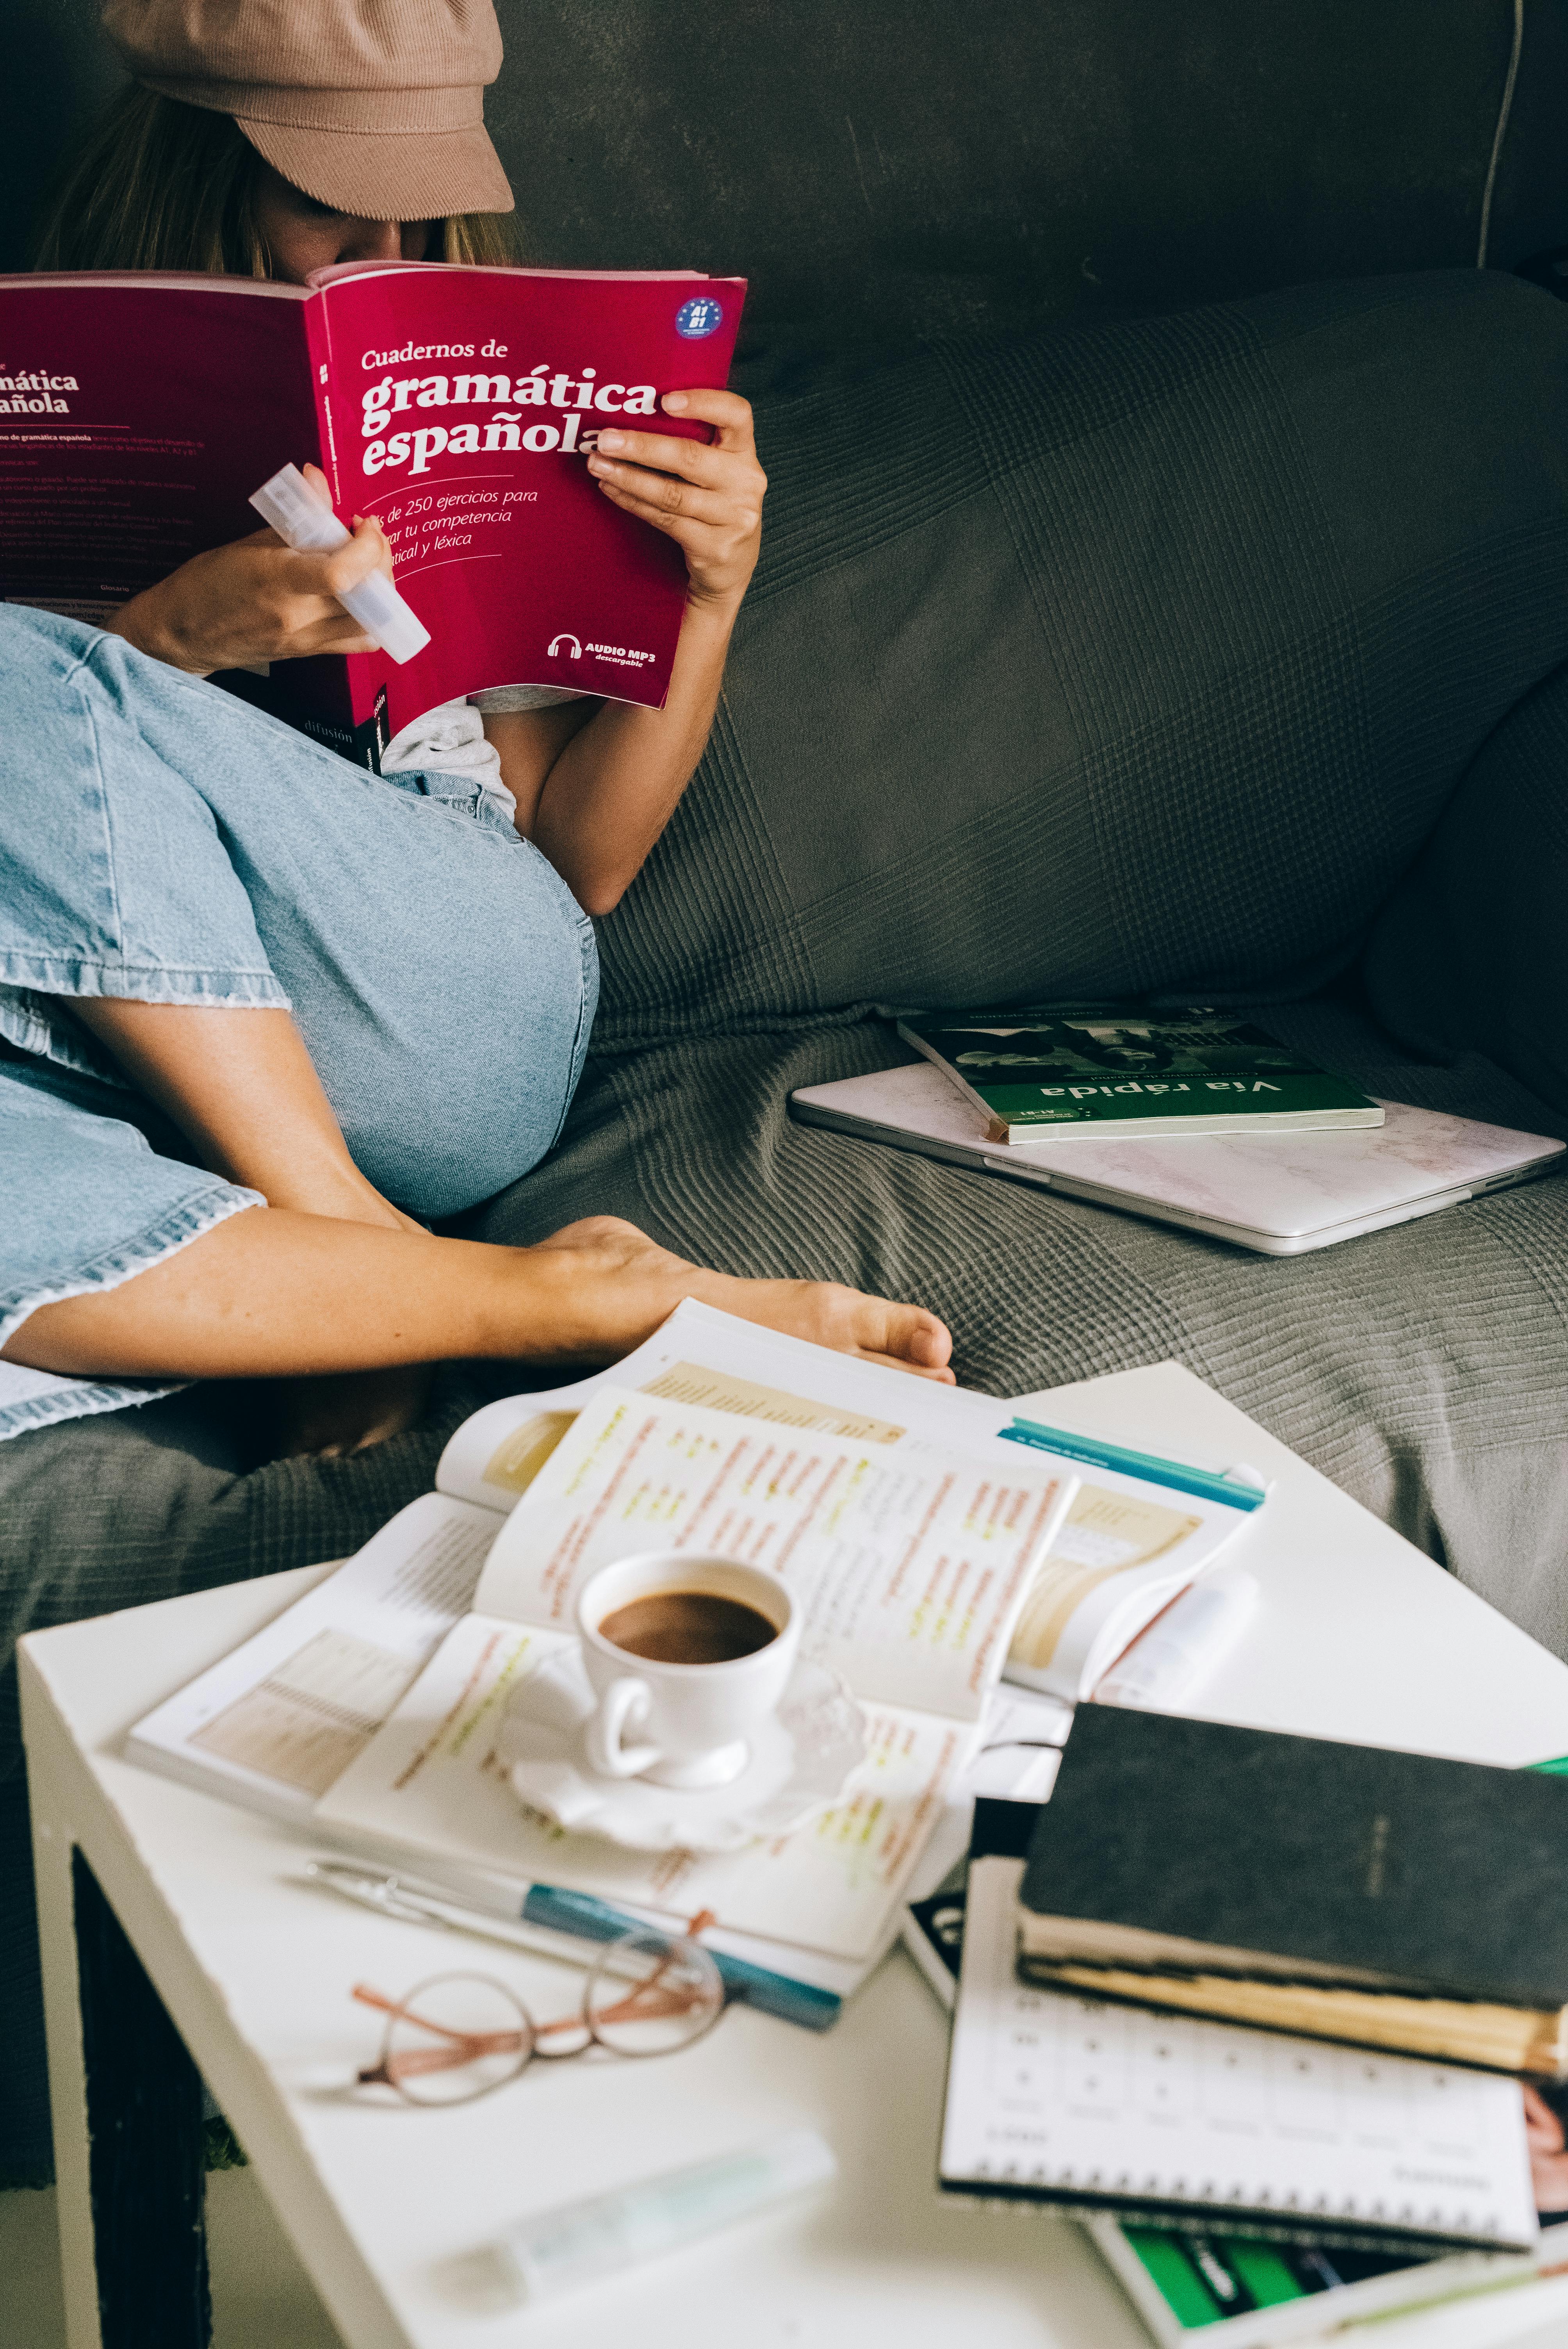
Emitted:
pixel 1072 2100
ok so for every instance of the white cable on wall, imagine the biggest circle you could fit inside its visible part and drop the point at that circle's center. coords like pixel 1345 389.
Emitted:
pixel 1504 111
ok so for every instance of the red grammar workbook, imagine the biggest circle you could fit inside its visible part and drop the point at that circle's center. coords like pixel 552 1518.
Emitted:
pixel 140 410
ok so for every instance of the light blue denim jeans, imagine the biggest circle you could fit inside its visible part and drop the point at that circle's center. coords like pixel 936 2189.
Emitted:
pixel 160 841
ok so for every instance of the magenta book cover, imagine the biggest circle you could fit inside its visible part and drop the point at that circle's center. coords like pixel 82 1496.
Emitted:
pixel 139 410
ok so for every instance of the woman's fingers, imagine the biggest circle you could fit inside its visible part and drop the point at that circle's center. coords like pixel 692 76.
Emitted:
pixel 346 566
pixel 709 499
pixel 660 495
pixel 906 1334
pixel 706 496
pixel 725 410
pixel 688 461
pixel 941 1378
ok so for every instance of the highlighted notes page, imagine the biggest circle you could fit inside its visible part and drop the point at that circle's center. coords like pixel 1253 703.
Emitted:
pixel 276 1721
pixel 911 1565
pixel 432 1783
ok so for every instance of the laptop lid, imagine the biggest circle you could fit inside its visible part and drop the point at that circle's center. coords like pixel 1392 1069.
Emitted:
pixel 1279 1193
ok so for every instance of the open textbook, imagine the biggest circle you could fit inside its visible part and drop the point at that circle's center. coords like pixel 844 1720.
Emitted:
pixel 139 409
pixel 920 1531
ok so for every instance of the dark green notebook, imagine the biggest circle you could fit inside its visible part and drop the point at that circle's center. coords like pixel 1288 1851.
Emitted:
pixel 1193 1856
pixel 1120 1070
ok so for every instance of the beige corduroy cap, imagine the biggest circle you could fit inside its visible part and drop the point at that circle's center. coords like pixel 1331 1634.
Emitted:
pixel 374 107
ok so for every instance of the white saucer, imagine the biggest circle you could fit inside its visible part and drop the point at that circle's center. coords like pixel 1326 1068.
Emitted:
pixel 802 1760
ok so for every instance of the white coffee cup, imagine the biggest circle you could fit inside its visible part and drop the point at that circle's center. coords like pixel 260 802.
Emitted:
pixel 689 1722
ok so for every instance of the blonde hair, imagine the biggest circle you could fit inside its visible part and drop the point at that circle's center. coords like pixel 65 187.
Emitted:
pixel 160 185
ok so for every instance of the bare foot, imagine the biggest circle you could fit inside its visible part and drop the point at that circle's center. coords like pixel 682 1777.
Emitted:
pixel 634 1285
pixel 347 1410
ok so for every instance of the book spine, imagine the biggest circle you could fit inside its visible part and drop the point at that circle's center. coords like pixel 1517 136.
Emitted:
pixel 319 349
pixel 996 1128
pixel 317 696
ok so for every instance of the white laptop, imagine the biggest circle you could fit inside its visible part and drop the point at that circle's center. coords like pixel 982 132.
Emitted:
pixel 1280 1194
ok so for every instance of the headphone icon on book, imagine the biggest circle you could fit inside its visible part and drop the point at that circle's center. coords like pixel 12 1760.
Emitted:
pixel 555 644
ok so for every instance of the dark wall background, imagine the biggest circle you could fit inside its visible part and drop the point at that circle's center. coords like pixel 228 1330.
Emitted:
pixel 881 170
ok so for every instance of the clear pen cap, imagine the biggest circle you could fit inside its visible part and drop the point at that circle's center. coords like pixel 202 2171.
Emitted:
pixel 576 2242
pixel 307 523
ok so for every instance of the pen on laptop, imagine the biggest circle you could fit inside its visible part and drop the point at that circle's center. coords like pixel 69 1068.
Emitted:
pixel 552 1914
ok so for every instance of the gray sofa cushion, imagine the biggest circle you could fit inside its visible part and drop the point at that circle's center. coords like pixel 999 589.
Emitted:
pixel 1108 659
pixel 1471 951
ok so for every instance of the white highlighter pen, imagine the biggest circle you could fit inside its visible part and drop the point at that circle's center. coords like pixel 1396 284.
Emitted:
pixel 306 522
pixel 1183 1644
pixel 577 2241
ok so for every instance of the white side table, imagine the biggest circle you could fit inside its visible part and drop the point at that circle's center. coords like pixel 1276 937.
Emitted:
pixel 1358 1636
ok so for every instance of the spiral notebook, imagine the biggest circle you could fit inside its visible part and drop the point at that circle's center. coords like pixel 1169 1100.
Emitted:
pixel 1057 2100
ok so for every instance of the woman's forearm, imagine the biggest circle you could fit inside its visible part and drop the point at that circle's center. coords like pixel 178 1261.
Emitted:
pixel 615 785
pixel 270 1293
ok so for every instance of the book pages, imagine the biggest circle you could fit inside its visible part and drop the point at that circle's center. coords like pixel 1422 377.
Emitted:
pixel 909 1565
pixel 1126 1550
pixel 1070 2098
pixel 281 1717
pixel 430 1781
pixel 1128 1546
pixel 702 1356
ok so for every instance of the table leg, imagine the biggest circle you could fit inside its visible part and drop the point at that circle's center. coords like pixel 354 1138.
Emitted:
pixel 132 2181
pixel 144 2124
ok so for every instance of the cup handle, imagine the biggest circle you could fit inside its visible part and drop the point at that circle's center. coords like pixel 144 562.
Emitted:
pixel 602 1735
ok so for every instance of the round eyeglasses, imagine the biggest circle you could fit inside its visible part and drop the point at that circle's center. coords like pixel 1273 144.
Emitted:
pixel 462 2035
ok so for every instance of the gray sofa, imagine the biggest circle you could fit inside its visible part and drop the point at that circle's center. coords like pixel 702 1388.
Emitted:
pixel 1221 651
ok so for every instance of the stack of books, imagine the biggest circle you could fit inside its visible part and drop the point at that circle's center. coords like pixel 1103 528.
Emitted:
pixel 1285 2021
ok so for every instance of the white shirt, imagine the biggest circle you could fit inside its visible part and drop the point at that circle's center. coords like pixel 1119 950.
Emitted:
pixel 451 739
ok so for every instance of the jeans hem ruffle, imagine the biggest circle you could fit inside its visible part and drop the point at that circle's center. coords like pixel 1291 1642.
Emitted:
pixel 72 1401
pixel 73 974
pixel 168 1233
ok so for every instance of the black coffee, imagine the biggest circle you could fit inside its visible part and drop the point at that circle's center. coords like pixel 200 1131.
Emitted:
pixel 687 1627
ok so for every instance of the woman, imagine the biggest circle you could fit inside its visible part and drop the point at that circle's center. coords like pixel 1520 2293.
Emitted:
pixel 189 945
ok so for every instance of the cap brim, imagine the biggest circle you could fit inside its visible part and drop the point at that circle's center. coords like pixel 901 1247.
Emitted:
pixel 387 175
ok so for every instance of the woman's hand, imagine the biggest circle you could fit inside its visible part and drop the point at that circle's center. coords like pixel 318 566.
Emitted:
pixel 594 797
pixel 706 496
pixel 256 600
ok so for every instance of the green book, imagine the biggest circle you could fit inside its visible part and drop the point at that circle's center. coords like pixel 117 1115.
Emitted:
pixel 1122 1070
